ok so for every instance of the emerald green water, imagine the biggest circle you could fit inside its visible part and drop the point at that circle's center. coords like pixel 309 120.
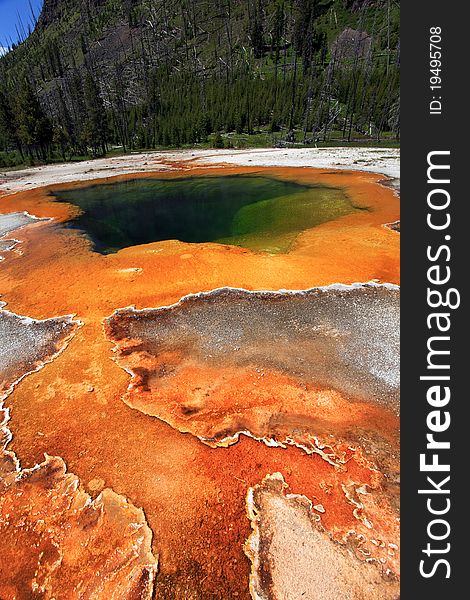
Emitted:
pixel 256 212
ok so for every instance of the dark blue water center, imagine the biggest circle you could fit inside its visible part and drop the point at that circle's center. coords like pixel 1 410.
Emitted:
pixel 260 213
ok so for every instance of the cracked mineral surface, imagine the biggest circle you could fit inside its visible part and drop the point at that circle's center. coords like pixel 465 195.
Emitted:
pixel 49 526
pixel 192 495
pixel 27 344
pixel 53 534
pixel 9 223
pixel 275 365
pixel 293 556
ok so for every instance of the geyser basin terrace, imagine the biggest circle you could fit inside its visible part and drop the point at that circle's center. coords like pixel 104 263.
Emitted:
pixel 193 496
pixel 227 361
pixel 257 212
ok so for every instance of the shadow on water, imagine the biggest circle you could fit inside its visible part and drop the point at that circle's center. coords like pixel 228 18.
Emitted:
pixel 256 212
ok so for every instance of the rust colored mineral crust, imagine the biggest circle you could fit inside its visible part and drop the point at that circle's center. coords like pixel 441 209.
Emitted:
pixel 55 540
pixel 317 369
pixel 194 495
pixel 293 556
pixel 286 367
pixel 26 346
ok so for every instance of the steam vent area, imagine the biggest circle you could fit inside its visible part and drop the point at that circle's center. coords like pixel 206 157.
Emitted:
pixel 199 385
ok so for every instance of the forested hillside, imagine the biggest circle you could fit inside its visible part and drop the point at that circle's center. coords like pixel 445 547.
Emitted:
pixel 136 74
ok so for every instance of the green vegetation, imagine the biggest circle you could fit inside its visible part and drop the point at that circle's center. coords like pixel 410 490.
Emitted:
pixel 144 74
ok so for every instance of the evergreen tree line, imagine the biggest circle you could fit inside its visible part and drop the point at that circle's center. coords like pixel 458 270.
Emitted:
pixel 292 79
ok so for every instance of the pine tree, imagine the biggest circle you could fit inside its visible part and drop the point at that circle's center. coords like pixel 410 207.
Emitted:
pixel 7 124
pixel 95 131
pixel 218 141
pixel 34 127
pixel 257 35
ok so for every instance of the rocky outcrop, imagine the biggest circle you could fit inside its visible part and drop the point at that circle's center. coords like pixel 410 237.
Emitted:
pixel 53 11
